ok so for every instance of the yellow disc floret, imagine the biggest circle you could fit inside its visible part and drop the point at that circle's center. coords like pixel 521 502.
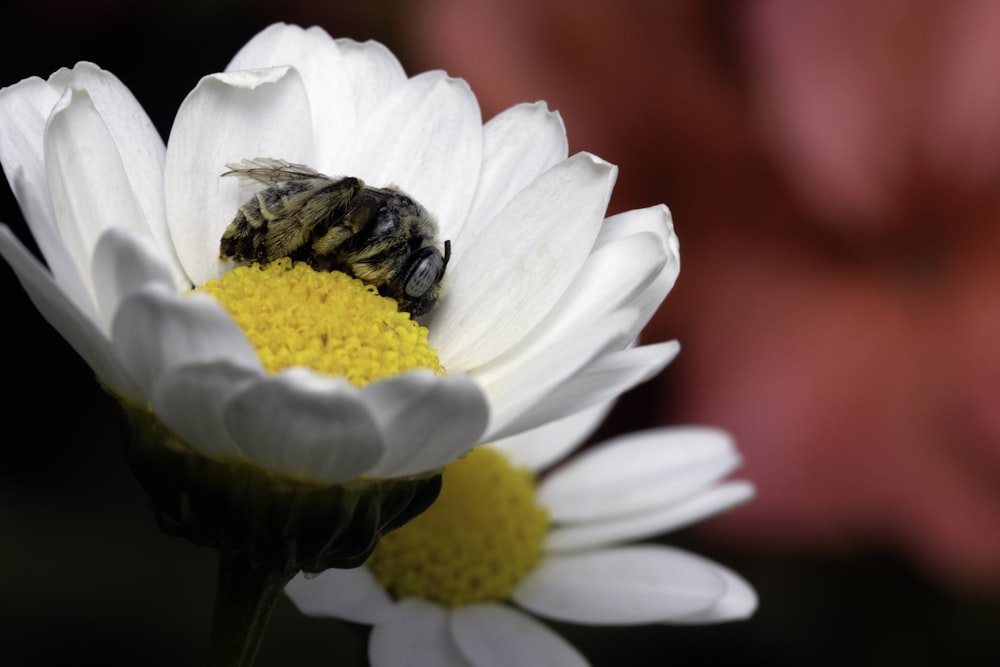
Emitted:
pixel 475 543
pixel 326 320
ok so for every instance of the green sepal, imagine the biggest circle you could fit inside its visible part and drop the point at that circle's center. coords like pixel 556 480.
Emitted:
pixel 285 522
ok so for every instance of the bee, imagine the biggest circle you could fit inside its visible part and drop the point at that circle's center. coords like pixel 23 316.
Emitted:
pixel 381 236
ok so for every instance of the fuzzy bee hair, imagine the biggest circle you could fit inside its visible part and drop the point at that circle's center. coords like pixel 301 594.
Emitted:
pixel 381 236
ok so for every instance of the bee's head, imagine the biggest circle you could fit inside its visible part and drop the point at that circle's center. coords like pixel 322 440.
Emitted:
pixel 422 278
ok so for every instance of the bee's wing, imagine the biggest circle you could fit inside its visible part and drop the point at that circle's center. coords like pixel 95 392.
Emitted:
pixel 270 171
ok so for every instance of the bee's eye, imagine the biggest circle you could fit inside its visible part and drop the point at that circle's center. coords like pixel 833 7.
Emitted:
pixel 426 268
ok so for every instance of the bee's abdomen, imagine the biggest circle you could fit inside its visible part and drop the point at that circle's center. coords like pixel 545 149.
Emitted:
pixel 243 238
pixel 285 220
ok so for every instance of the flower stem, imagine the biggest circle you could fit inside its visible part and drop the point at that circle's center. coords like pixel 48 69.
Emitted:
pixel 245 596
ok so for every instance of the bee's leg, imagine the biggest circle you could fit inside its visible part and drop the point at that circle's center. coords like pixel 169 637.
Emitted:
pixel 286 237
pixel 326 247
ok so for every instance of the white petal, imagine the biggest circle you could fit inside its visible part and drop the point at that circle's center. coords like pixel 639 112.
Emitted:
pixel 515 270
pixel 123 263
pixel 89 186
pixel 24 110
pixel 612 277
pixel 36 205
pixel 739 602
pixel 427 421
pixel 79 330
pixel 227 118
pixel 352 595
pixel 316 57
pixel 493 635
pixel 415 633
pixel 514 389
pixel 638 471
pixel 191 399
pixel 519 145
pixel 374 71
pixel 647 523
pixel 624 586
pixel 608 377
pixel 281 44
pixel 427 139
pixel 156 329
pixel 540 447
pixel 305 424
pixel 654 220
pixel 139 147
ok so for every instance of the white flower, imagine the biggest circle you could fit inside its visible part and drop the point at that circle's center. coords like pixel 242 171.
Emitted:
pixel 635 486
pixel 543 297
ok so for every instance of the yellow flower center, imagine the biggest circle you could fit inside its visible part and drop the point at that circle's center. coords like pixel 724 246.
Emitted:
pixel 475 543
pixel 326 320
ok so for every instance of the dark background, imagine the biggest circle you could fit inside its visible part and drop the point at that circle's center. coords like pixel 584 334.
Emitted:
pixel 85 576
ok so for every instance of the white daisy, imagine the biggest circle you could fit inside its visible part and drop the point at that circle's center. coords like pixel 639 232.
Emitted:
pixel 451 587
pixel 543 295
